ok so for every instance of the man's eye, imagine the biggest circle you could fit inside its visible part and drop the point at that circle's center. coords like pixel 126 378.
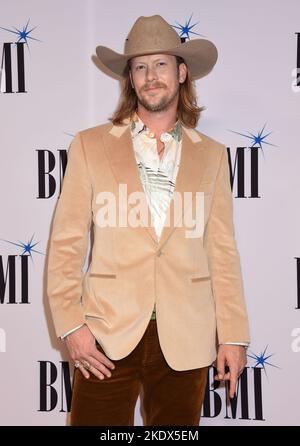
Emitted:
pixel 161 63
pixel 140 67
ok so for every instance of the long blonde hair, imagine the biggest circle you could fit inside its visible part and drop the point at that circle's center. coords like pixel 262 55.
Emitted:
pixel 188 110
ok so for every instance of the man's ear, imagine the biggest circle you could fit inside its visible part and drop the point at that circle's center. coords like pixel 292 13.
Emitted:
pixel 182 72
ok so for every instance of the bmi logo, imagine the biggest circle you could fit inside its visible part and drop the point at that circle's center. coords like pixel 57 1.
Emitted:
pixel 247 403
pixel 55 386
pixel 255 145
pixel 12 68
pixel 47 165
pixel 14 273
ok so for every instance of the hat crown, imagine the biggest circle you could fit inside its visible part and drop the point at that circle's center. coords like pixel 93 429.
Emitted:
pixel 151 34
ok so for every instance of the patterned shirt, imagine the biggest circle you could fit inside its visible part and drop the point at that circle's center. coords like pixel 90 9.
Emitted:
pixel 158 176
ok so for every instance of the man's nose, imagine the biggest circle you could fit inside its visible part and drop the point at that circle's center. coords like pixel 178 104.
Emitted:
pixel 151 74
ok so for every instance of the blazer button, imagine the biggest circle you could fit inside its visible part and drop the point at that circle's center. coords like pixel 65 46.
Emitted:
pixel 159 253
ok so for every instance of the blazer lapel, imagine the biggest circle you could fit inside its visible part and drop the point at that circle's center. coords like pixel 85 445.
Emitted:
pixel 189 177
pixel 119 149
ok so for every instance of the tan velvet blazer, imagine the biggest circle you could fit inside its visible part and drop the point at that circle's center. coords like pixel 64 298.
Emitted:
pixel 195 282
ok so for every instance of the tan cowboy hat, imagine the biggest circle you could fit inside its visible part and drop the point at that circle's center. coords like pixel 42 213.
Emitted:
pixel 153 35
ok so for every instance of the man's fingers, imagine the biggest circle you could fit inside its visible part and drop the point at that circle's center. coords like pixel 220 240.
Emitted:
pixel 224 377
pixel 220 368
pixel 98 368
pixel 86 355
pixel 233 383
pixel 100 357
pixel 232 377
pixel 91 366
pixel 83 370
pixel 96 363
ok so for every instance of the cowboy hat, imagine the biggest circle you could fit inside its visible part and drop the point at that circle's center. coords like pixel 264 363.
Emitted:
pixel 153 35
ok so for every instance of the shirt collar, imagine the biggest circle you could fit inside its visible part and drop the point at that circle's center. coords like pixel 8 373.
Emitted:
pixel 138 127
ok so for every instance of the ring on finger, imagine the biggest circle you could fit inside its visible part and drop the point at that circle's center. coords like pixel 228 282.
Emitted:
pixel 86 365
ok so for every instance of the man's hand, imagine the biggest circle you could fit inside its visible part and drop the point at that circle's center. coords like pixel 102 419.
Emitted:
pixel 83 351
pixel 233 356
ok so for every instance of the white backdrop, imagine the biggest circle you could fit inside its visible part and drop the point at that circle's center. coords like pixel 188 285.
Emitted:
pixel 250 86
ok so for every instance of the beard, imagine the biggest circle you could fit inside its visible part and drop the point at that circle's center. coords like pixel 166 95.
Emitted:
pixel 162 105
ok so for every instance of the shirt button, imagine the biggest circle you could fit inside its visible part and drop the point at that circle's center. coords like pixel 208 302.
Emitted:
pixel 165 137
pixel 151 135
pixel 159 253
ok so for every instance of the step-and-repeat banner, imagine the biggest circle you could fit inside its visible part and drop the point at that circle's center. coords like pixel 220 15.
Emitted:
pixel 50 88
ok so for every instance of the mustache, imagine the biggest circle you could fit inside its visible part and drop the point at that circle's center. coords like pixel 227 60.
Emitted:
pixel 157 85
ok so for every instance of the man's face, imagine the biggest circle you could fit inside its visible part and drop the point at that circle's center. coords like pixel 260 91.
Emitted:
pixel 156 79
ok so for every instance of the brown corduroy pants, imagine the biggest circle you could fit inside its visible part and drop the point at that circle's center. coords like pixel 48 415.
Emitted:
pixel 168 397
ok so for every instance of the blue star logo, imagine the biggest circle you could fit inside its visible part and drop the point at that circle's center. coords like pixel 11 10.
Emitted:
pixel 28 248
pixel 187 28
pixel 23 34
pixel 262 360
pixel 258 140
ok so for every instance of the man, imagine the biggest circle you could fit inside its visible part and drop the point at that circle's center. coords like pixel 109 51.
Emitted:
pixel 159 301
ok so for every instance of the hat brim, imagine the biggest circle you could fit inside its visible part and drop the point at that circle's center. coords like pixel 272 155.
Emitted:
pixel 200 56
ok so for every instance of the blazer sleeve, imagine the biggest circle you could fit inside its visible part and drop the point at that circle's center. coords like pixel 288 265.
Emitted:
pixel 224 262
pixel 69 241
